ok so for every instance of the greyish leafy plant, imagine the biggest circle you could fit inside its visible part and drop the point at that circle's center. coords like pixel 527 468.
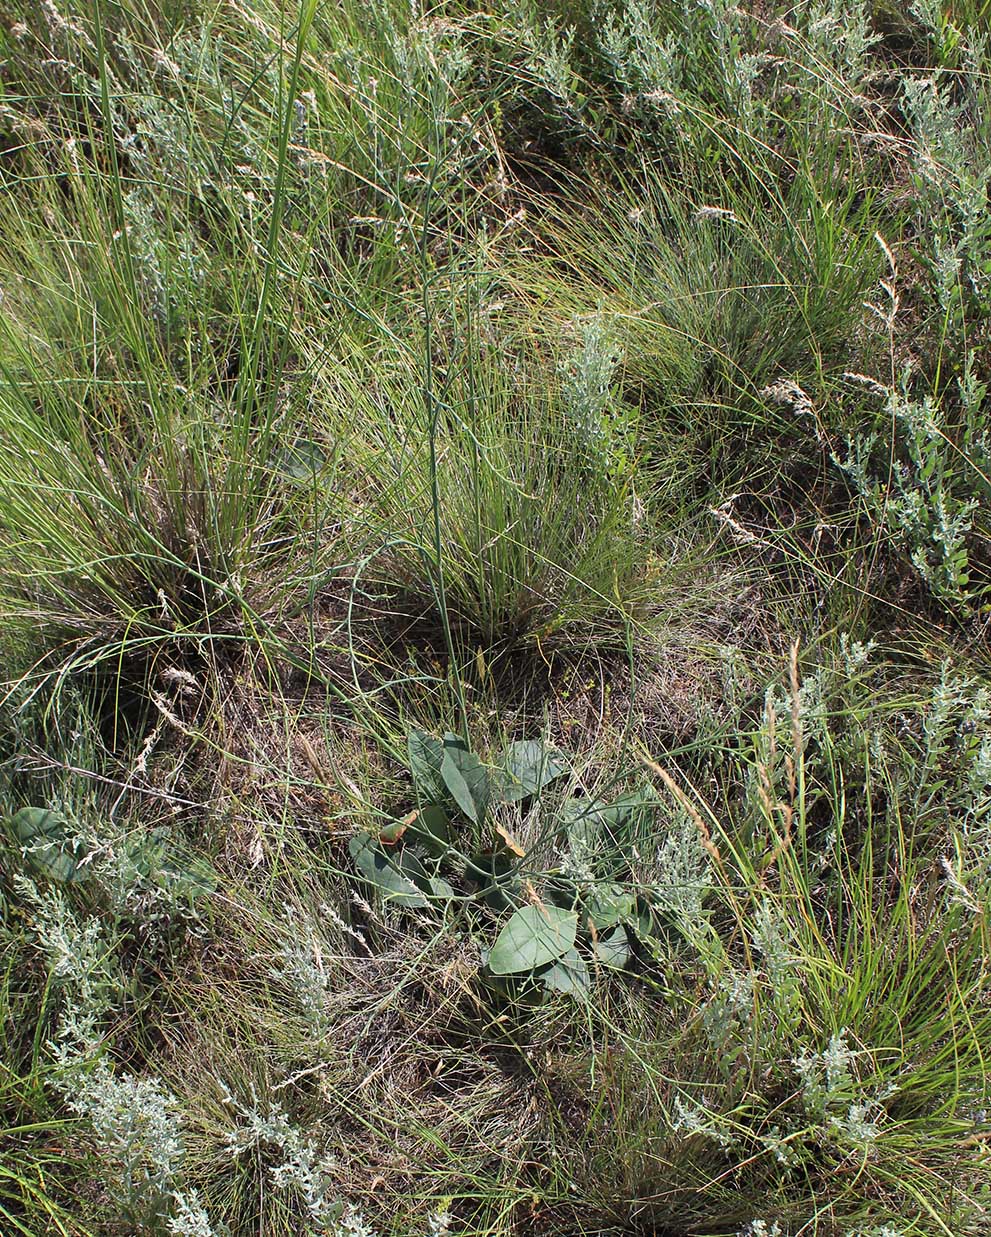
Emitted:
pixel 459 846
pixel 54 847
pixel 49 844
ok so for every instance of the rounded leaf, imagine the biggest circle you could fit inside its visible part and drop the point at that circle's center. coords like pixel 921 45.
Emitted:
pixel 569 974
pixel 534 936
pixel 33 825
pixel 433 829
pixel 49 845
pixel 609 905
pixel 528 766
pixel 393 885
pixel 613 949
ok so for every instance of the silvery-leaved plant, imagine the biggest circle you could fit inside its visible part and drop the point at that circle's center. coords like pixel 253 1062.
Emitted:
pixel 136 1124
pixel 295 1159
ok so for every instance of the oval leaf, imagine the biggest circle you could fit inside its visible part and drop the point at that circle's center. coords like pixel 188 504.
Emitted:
pixel 432 828
pixel 568 974
pixel 441 889
pixel 613 949
pixel 592 824
pixel 466 779
pixel 49 844
pixel 425 755
pixel 303 460
pixel 528 766
pixel 534 936
pixel 609 905
pixel 378 870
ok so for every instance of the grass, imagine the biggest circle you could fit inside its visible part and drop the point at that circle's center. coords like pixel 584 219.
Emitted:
pixel 494 587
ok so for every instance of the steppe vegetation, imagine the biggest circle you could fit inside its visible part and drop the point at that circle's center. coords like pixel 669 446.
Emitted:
pixel 495 575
